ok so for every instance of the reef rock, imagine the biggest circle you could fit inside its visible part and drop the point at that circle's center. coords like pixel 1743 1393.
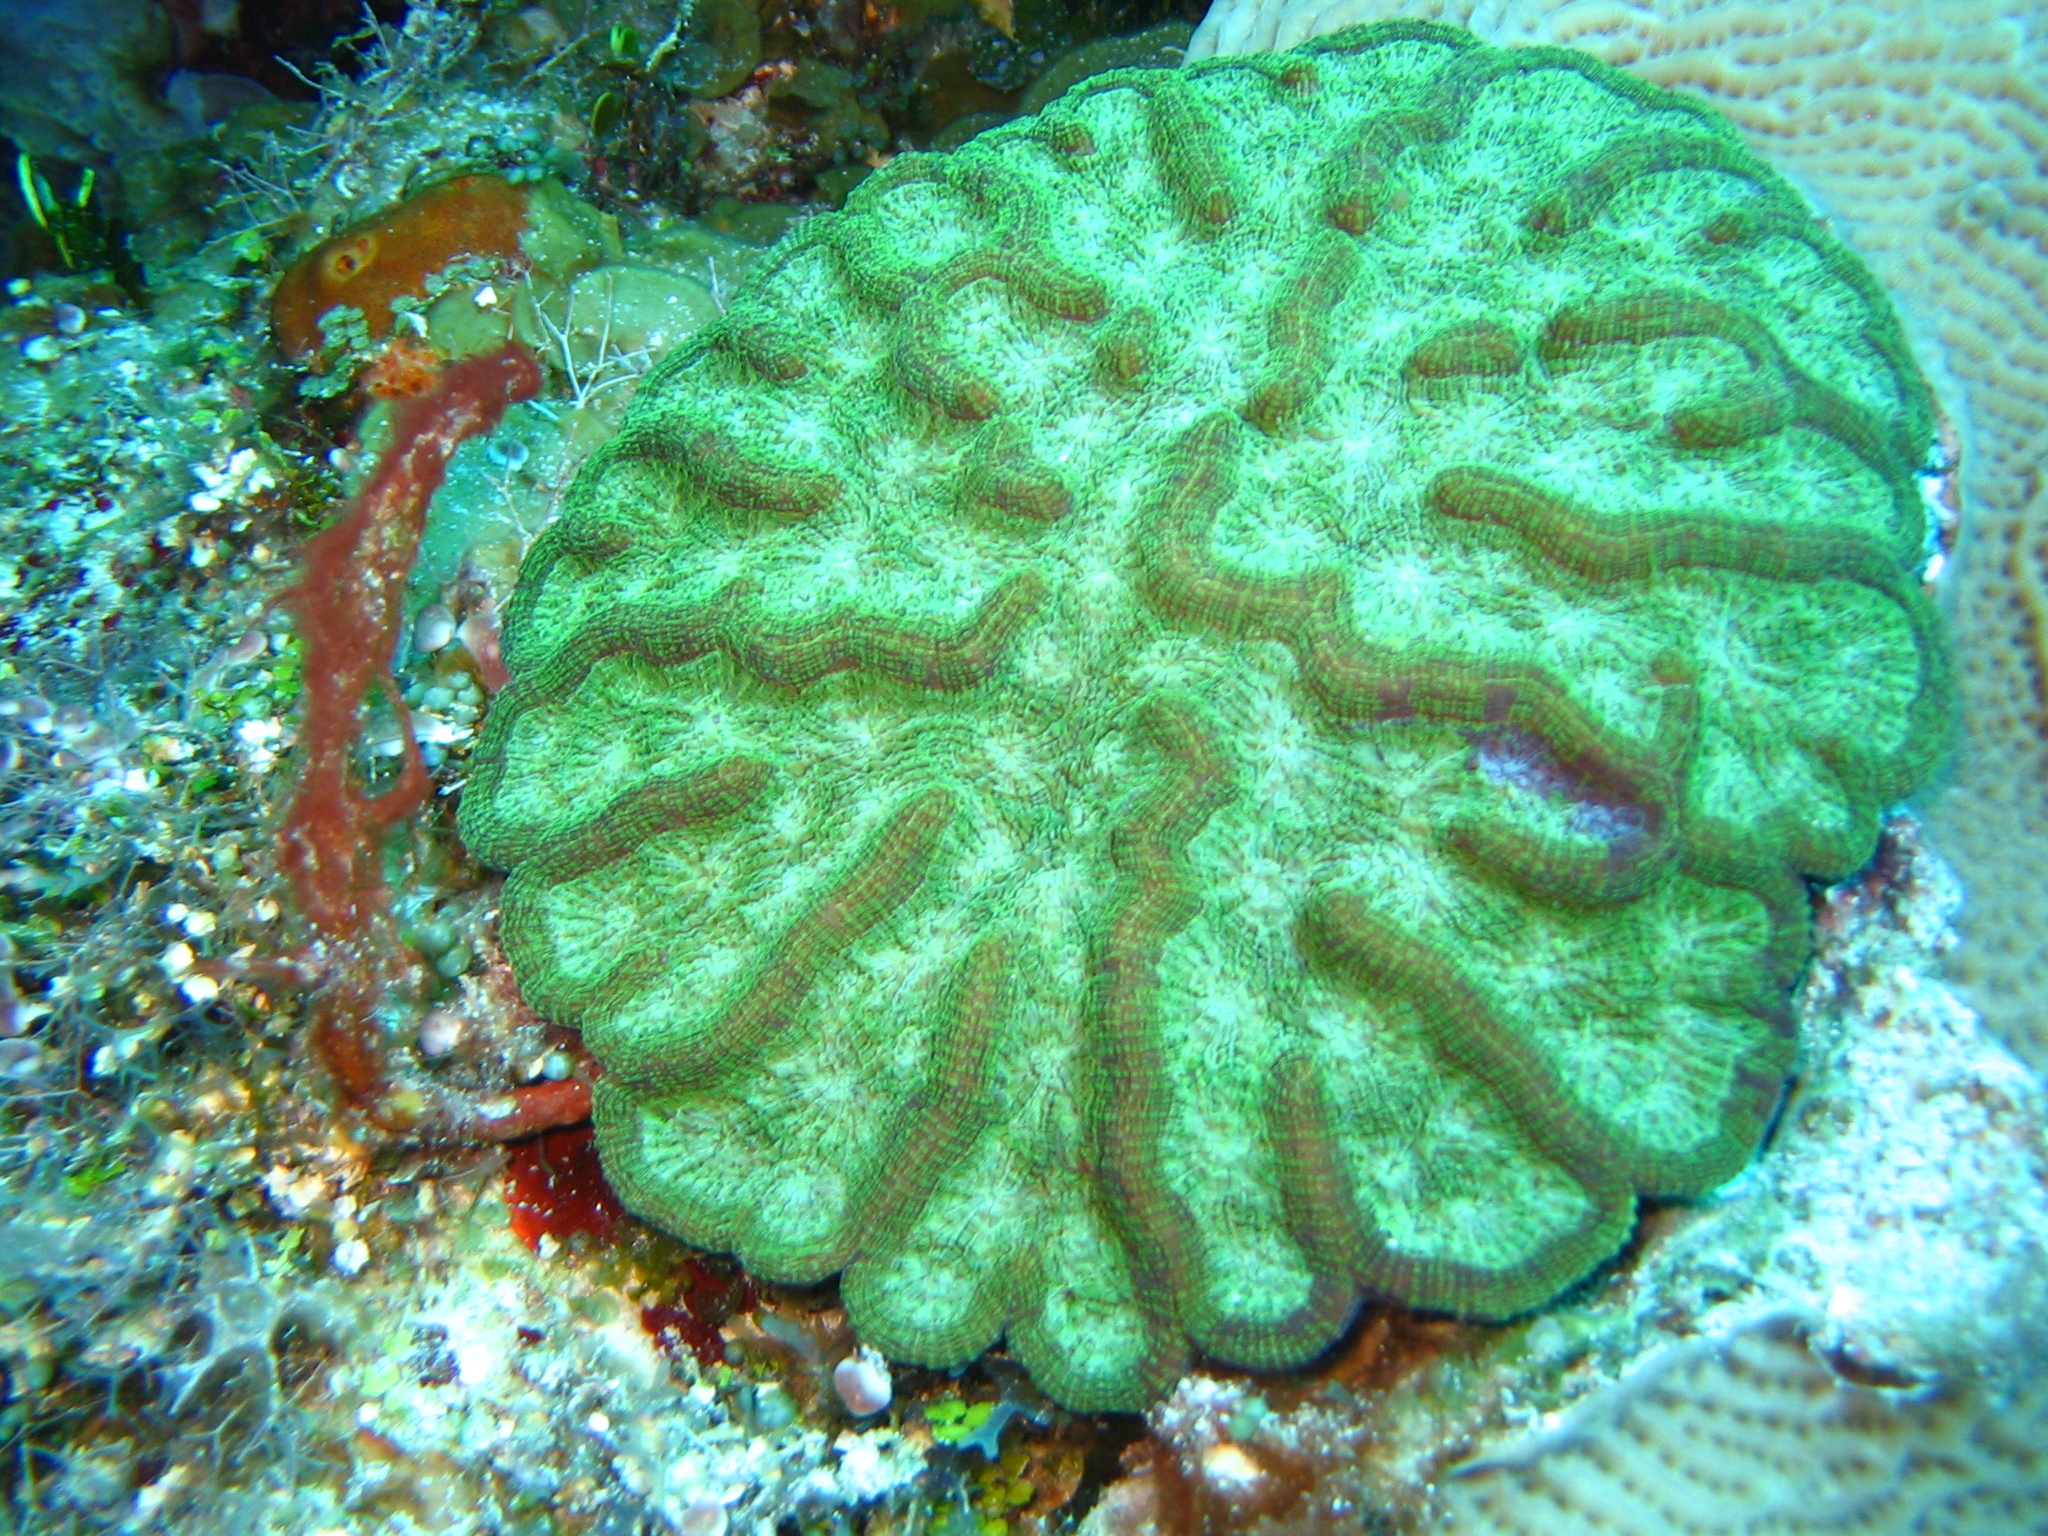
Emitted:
pixel 1222 699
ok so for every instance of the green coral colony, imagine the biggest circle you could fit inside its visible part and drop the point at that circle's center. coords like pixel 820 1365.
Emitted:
pixel 1222 700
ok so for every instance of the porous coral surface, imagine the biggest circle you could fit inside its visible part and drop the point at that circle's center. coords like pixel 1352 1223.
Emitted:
pixel 1221 698
pixel 1743 1434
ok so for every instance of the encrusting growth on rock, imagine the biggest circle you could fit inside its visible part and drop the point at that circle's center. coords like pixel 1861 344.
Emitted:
pixel 1222 700
pixel 390 256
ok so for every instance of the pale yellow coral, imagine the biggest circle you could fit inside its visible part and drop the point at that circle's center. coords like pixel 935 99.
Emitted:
pixel 1921 130
pixel 1754 1434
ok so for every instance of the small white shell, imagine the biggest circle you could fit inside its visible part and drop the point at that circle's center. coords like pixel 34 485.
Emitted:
pixel 440 1033
pixel 433 629
pixel 862 1380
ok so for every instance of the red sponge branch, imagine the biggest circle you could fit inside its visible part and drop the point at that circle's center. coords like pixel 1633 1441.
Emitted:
pixel 350 606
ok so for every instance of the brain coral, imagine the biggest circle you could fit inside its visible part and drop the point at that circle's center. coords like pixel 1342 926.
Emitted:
pixel 1919 127
pixel 1221 699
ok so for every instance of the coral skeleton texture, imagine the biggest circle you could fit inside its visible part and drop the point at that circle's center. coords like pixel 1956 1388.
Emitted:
pixel 1755 1434
pixel 1222 698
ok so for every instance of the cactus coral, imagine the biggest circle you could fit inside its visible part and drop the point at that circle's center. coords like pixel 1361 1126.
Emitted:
pixel 1221 699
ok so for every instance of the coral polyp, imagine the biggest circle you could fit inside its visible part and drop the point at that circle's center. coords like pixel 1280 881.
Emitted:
pixel 1220 701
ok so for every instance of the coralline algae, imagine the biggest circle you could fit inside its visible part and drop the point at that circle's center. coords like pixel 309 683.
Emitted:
pixel 1222 697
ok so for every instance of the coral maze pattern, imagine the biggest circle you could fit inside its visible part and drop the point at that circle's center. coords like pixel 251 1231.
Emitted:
pixel 1921 126
pixel 1221 699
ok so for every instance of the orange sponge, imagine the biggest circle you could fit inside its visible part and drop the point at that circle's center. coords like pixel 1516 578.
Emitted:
pixel 372 263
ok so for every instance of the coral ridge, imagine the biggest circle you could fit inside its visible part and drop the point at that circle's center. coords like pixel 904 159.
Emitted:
pixel 1221 700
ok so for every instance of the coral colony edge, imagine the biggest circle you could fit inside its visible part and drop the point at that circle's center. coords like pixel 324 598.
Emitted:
pixel 1220 700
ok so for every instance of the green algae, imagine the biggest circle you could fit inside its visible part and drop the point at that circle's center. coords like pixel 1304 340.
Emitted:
pixel 720 48
pixel 1160 47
